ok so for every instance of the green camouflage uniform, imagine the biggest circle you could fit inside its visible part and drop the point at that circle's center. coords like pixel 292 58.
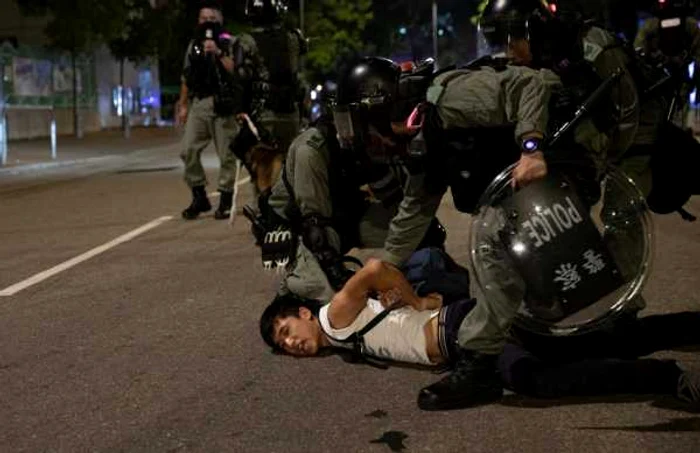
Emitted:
pixel 202 127
pixel 260 60
pixel 482 98
pixel 654 110
pixel 308 170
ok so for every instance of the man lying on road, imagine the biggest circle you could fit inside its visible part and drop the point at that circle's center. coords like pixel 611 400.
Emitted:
pixel 421 330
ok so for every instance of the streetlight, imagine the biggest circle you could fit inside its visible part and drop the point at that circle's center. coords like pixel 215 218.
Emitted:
pixel 435 34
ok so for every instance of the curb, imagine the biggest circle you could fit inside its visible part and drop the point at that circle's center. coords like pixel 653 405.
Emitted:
pixel 40 166
pixel 28 168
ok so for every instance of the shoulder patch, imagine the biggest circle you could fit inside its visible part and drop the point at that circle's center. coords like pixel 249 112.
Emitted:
pixel 591 51
pixel 316 140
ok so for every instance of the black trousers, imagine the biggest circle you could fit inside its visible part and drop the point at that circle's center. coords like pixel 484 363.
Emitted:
pixel 602 362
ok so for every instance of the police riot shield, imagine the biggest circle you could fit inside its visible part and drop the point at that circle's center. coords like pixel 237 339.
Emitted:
pixel 571 257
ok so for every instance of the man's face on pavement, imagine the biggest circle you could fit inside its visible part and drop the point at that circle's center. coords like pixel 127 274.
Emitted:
pixel 209 15
pixel 298 336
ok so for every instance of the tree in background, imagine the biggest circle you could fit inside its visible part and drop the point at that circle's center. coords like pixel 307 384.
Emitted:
pixel 335 31
pixel 133 35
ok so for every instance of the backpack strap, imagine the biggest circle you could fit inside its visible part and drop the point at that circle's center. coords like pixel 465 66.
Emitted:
pixel 357 340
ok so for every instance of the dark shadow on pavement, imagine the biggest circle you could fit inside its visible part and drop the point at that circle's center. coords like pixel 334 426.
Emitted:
pixel 689 424
pixel 394 439
pixel 541 403
pixel 660 402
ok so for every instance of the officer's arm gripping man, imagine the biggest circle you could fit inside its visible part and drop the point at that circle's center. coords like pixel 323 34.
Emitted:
pixel 527 94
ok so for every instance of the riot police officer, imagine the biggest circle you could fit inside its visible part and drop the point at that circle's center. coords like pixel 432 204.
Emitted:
pixel 273 78
pixel 671 37
pixel 319 199
pixel 543 34
pixel 209 100
pixel 474 123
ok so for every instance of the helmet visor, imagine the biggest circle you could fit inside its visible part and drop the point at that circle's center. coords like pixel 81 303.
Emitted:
pixel 349 125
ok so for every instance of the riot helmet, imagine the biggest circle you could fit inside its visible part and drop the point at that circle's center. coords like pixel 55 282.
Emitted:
pixel 263 12
pixel 530 32
pixel 367 92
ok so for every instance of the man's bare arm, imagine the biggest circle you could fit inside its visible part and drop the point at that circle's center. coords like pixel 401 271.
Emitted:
pixel 375 276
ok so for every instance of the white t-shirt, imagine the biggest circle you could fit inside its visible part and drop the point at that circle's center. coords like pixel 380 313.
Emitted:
pixel 399 336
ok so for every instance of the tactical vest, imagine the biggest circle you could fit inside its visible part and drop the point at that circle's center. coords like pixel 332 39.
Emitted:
pixel 347 201
pixel 279 52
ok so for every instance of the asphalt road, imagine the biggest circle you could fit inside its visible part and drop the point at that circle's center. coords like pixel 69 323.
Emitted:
pixel 153 345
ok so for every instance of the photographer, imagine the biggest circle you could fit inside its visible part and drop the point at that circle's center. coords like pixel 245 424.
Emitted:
pixel 209 101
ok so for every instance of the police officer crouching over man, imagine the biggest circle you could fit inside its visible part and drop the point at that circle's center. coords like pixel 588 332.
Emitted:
pixel 210 98
pixel 326 201
pixel 379 319
pixel 475 123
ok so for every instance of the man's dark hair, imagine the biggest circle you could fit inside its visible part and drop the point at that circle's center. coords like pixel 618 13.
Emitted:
pixel 283 306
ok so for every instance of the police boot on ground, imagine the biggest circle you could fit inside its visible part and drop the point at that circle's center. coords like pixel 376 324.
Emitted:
pixel 200 203
pixel 225 204
pixel 474 381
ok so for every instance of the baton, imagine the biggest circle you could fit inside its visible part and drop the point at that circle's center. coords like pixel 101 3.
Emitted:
pixel 586 107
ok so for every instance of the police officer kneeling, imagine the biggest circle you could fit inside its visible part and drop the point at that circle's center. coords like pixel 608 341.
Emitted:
pixel 474 124
pixel 318 199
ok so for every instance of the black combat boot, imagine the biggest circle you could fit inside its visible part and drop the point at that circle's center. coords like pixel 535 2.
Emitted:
pixel 200 203
pixel 225 203
pixel 474 381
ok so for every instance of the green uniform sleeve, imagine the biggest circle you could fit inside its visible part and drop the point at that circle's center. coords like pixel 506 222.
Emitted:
pixel 645 34
pixel 408 227
pixel 527 94
pixel 310 176
pixel 249 65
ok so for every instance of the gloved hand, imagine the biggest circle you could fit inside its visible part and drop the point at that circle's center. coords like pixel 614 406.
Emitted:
pixel 338 275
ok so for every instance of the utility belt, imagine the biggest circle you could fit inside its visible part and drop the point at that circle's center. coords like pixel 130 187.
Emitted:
pixel 279 99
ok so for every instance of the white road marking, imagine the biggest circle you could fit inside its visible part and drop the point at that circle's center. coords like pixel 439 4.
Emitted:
pixel 41 276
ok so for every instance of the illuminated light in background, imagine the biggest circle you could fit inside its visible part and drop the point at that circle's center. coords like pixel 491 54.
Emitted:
pixel 694 96
pixel 441 32
pixel 319 87
pixel 553 8
pixel 314 95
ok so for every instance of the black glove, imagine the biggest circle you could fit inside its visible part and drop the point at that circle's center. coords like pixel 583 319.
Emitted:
pixel 316 240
